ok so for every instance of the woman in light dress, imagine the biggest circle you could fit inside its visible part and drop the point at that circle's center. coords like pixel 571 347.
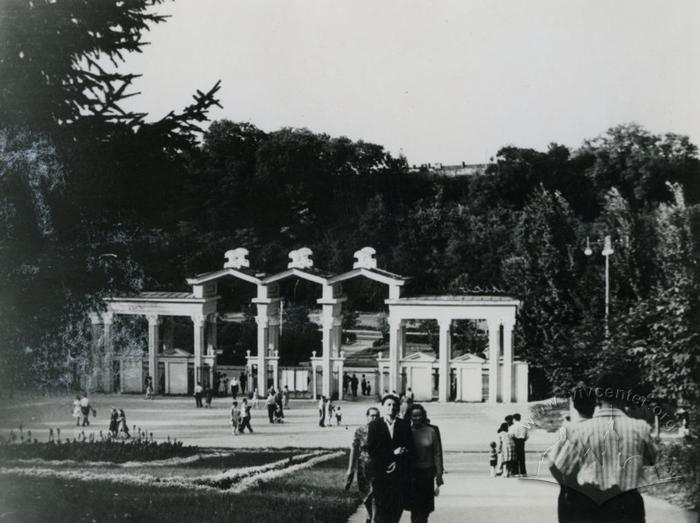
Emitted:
pixel 360 463
pixel 506 451
pixel 77 413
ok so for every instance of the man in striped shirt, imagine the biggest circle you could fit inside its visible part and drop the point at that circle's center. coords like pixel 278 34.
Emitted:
pixel 603 458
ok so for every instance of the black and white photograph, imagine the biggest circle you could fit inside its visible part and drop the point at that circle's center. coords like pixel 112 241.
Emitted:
pixel 332 261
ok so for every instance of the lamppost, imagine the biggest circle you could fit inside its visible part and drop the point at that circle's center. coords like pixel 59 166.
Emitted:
pixel 606 252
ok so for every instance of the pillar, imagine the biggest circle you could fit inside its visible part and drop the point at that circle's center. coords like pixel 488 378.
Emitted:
pixel 327 325
pixel 313 378
pixel 444 359
pixel 341 370
pixel 213 340
pixel 507 386
pixel 395 348
pixel 275 370
pixel 200 325
pixel 153 342
pixel 493 360
pixel 263 336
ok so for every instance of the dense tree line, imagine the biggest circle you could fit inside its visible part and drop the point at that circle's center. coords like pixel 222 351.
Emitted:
pixel 81 181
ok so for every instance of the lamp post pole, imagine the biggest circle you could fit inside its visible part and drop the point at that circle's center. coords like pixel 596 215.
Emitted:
pixel 607 252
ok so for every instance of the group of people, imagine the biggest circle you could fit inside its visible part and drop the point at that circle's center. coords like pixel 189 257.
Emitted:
pixel 82 410
pixel 240 417
pixel 398 462
pixel 599 459
pixel 117 424
pixel 328 411
pixel 235 385
pixel 276 402
pixel 507 456
pixel 352 383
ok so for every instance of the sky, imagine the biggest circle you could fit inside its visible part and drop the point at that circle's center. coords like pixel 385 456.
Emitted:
pixel 445 81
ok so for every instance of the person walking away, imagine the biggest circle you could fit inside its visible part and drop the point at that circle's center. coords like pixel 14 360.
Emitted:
pixel 493 458
pixel 329 413
pixel 208 395
pixel 360 463
pixel 608 470
pixel 570 499
pixel 235 418
pixel 77 412
pixel 389 445
pixel 426 466
pixel 245 416
pixel 322 412
pixel 363 385
pixel 346 382
pixel 271 404
pixel 198 395
pixel 149 391
pixel 410 396
pixel 506 451
pixel 520 434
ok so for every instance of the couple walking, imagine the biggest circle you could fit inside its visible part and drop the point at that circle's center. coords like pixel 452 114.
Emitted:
pixel 398 463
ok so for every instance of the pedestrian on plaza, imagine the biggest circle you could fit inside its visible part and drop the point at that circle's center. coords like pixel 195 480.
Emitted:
pixel 77 412
pixel 208 395
pixel 148 381
pixel 403 408
pixel 363 385
pixel 493 458
pixel 426 465
pixel 123 427
pixel 322 412
pixel 149 390
pixel 285 397
pixel 608 477
pixel 279 400
pixel 353 385
pixel 506 451
pixel 330 408
pixel 243 381
pixel 198 395
pixel 113 423
pixel 410 396
pixel 245 416
pixel 389 444
pixel 346 382
pixel 271 404
pixel 279 413
pixel 85 409
pixel 360 463
pixel 570 499
pixel 369 388
pixel 338 415
pixel 235 418
pixel 234 387
pixel 254 399
pixel 520 433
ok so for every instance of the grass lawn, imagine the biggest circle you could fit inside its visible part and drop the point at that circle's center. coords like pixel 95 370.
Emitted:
pixel 311 495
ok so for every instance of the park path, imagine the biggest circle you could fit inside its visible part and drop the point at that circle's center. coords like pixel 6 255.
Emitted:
pixel 470 495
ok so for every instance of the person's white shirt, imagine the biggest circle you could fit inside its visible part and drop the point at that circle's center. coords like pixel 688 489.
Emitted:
pixel 198 388
pixel 518 430
pixel 390 424
pixel 84 402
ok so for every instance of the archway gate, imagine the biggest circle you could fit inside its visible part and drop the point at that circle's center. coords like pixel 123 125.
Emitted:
pixel 200 304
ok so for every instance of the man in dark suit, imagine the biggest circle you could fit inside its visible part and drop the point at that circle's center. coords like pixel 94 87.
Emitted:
pixel 389 445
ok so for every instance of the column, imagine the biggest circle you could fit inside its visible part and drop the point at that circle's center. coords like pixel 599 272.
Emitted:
pixel 263 336
pixel 507 391
pixel 200 326
pixel 275 371
pixel 341 370
pixel 395 348
pixel 493 360
pixel 327 325
pixel 313 377
pixel 444 359
pixel 213 341
pixel 153 342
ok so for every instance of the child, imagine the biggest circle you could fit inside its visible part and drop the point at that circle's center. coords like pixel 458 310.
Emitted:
pixel 338 415
pixel 493 459
pixel 278 414
pixel 235 417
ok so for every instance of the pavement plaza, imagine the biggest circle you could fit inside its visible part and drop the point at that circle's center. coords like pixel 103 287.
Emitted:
pixel 466 428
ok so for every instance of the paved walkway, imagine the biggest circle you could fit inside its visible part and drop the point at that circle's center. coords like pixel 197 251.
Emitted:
pixel 470 495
